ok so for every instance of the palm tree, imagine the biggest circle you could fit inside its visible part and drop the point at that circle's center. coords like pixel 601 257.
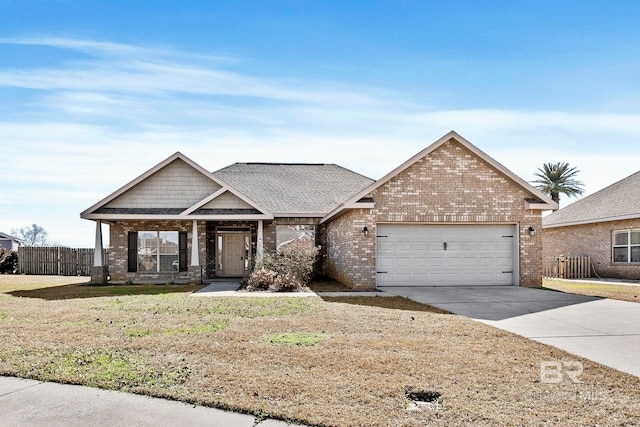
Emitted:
pixel 558 178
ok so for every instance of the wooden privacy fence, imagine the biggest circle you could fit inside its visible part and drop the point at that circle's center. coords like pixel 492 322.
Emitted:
pixel 567 267
pixel 57 261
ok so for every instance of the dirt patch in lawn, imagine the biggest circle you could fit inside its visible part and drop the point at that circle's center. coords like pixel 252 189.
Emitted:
pixel 620 292
pixel 333 362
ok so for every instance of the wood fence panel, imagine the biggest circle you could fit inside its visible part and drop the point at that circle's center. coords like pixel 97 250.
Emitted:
pixel 57 261
pixel 578 267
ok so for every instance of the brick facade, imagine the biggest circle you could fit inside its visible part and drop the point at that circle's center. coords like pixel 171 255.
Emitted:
pixel 119 245
pixel 450 185
pixel 594 240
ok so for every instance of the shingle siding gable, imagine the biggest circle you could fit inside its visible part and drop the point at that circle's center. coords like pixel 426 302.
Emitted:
pixel 177 185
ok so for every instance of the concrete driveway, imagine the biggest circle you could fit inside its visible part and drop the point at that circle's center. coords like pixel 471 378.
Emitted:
pixel 603 330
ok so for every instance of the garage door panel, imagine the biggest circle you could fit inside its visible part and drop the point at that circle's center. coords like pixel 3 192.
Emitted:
pixel 415 255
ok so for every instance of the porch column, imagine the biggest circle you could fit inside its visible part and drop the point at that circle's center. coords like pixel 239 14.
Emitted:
pixel 98 260
pixel 195 257
pixel 259 247
pixel 99 271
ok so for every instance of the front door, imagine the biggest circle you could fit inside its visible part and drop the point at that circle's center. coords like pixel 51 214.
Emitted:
pixel 233 254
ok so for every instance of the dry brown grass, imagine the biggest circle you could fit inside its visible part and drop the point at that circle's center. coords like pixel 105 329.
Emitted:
pixel 212 351
pixel 620 292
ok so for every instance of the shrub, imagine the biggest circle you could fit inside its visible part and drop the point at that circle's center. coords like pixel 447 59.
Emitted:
pixel 288 270
pixel 8 262
pixel 261 279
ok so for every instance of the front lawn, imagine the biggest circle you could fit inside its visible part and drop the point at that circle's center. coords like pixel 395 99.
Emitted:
pixel 619 292
pixel 350 361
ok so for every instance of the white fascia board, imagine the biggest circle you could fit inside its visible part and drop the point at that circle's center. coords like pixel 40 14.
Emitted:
pixel 156 168
pixel 204 201
pixel 298 215
pixel 593 221
pixel 361 205
pixel 540 206
pixel 123 217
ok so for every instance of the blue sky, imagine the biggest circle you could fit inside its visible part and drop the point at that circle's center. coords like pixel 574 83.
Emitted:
pixel 94 93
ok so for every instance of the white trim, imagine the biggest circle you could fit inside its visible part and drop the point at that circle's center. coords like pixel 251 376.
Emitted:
pixel 593 221
pixel 260 241
pixel 204 201
pixel 361 205
pixel 98 260
pixel 123 217
pixel 88 213
pixel 195 257
pixel 449 136
pixel 538 206
pixel 298 215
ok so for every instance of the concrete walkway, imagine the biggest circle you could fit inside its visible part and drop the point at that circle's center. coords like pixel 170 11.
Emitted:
pixel 603 330
pixel 34 404
pixel 231 289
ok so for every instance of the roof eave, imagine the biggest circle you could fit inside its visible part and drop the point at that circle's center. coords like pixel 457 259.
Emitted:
pixel 592 221
pixel 542 206
pixel 124 217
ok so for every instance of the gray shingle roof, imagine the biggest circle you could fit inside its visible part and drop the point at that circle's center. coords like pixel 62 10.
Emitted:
pixel 294 188
pixel 617 201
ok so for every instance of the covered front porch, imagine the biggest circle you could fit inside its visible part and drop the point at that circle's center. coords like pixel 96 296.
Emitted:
pixel 177 251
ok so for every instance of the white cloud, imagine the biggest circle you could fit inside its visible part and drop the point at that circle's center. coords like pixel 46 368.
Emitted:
pixel 105 118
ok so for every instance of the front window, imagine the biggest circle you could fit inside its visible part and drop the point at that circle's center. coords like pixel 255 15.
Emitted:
pixel 295 235
pixel 626 246
pixel 158 251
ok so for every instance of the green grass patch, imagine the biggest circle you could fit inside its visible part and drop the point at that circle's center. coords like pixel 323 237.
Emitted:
pixel 3 315
pixel 112 369
pixel 202 328
pixel 301 339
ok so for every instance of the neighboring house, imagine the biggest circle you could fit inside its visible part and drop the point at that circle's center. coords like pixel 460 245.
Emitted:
pixel 450 215
pixel 9 242
pixel 604 226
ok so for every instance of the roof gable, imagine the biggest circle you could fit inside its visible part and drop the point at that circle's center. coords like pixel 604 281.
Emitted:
pixel 541 201
pixel 175 186
pixel 620 200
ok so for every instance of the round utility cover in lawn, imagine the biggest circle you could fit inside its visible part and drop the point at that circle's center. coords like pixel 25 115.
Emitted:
pixel 445 255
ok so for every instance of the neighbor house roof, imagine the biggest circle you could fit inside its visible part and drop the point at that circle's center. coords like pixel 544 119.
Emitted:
pixel 618 201
pixel 5 236
pixel 296 189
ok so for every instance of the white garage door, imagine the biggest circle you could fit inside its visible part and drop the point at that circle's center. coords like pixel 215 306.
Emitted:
pixel 445 255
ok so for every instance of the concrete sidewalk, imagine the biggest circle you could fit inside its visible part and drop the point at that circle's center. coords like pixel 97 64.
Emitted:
pixel 34 404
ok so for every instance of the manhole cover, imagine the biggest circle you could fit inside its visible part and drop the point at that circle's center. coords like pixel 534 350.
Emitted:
pixel 422 399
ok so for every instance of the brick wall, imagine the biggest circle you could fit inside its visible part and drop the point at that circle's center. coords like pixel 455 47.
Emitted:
pixel 119 246
pixel 450 185
pixel 594 240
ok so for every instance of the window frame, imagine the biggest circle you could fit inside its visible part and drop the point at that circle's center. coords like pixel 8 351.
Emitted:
pixel 133 255
pixel 297 230
pixel 629 245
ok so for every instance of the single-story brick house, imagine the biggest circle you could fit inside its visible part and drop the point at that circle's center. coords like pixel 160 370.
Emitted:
pixel 604 226
pixel 450 215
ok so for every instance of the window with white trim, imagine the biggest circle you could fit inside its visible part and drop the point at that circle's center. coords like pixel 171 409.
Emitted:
pixel 626 246
pixel 158 251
